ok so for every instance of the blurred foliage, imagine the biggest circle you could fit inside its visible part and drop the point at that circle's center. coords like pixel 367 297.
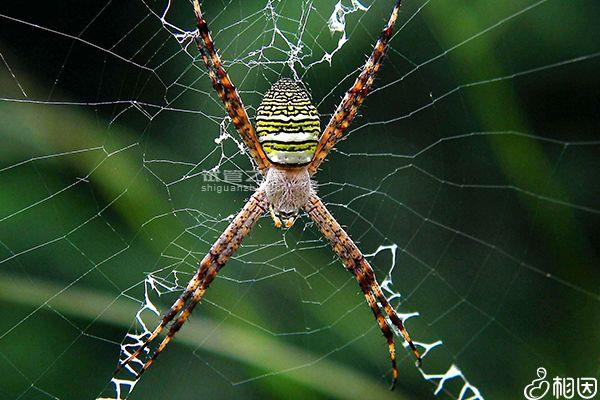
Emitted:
pixel 497 229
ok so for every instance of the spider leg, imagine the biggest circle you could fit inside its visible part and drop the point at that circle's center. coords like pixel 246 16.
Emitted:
pixel 197 296
pixel 383 326
pixel 220 252
pixel 227 92
pixel 355 262
pixel 173 311
pixel 393 316
pixel 347 109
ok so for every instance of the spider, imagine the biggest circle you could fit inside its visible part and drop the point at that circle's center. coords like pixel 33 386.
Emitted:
pixel 287 148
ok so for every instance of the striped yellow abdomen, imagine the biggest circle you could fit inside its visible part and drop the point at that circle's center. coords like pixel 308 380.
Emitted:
pixel 287 124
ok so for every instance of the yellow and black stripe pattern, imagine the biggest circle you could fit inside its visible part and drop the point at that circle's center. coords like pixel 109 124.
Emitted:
pixel 287 124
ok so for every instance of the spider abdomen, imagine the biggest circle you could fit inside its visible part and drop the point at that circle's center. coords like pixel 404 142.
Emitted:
pixel 287 124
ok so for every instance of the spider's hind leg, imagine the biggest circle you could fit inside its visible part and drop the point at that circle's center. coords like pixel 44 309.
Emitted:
pixel 393 316
pixel 355 262
pixel 383 325
pixel 220 252
pixel 176 326
pixel 170 314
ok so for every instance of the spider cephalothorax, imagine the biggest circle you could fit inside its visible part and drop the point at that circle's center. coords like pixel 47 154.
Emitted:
pixel 288 191
pixel 287 149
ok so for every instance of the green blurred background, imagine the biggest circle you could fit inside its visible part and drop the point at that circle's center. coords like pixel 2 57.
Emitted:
pixel 477 156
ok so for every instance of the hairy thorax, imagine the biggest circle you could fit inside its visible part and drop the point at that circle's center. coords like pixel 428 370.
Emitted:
pixel 288 190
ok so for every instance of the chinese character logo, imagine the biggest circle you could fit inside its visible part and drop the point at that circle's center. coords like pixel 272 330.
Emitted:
pixel 562 388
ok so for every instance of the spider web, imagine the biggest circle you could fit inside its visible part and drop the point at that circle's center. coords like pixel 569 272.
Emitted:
pixel 468 181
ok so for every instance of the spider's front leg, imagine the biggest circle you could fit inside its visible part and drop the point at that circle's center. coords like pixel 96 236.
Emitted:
pixel 219 254
pixel 355 262
pixel 227 91
pixel 347 109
